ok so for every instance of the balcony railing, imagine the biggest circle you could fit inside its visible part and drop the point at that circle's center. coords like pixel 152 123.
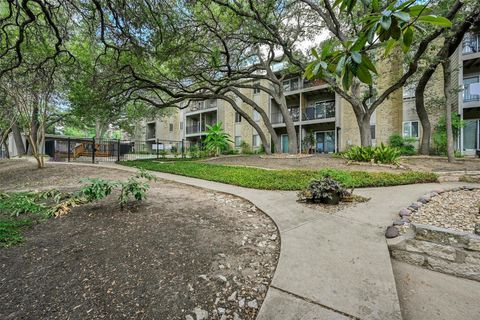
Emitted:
pixel 203 105
pixel 196 128
pixel 322 110
pixel 471 43
pixel 467 97
pixel 277 117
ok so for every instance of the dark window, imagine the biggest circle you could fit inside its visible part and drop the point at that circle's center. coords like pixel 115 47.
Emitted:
pixel 256 90
pixel 238 117
pixel 372 131
pixel 171 127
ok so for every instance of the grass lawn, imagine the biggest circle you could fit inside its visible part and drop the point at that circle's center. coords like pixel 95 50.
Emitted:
pixel 280 179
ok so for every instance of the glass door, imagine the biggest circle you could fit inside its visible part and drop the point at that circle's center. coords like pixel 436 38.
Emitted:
pixel 325 141
pixel 471 135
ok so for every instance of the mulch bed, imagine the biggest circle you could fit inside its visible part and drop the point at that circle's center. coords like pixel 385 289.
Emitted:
pixel 183 251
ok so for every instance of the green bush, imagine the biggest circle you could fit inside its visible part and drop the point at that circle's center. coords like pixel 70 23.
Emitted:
pixel 281 179
pixel 440 133
pixel 404 144
pixel 324 190
pixel 379 154
pixel 245 148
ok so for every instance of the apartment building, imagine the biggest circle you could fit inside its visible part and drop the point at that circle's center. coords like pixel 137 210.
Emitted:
pixel 317 110
pixel 469 98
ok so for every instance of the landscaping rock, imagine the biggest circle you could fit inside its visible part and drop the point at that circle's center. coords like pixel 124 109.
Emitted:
pixel 416 205
pixel 477 229
pixel 392 232
pixel 189 317
pixel 232 297
pixel 424 199
pixel 404 212
pixel 253 304
pixel 236 316
pixel 200 313
pixel 222 278
pixel 241 303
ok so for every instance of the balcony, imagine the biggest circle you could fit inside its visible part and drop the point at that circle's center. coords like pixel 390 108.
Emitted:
pixel 321 110
pixel 471 44
pixel 470 99
pixel 277 117
pixel 196 128
pixel 202 105
pixel 295 84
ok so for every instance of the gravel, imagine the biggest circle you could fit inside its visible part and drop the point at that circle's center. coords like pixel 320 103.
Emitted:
pixel 452 209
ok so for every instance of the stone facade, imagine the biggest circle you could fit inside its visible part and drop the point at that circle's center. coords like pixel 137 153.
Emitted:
pixel 443 250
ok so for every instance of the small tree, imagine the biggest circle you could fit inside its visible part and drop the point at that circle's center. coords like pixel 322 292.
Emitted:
pixel 217 139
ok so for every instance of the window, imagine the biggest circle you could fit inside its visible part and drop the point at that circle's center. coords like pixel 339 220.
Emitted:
pixel 324 109
pixel 467 95
pixel 256 115
pixel 181 125
pixel 256 90
pixel 171 127
pixel 256 141
pixel 238 141
pixel 410 129
pixel 373 131
pixel 409 91
pixel 238 117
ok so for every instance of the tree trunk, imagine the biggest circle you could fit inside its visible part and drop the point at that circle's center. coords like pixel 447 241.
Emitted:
pixel 17 137
pixel 287 118
pixel 265 118
pixel 447 74
pixel 363 121
pixel 422 111
pixel 34 127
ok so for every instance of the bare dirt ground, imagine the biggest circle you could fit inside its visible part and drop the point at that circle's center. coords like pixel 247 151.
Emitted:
pixel 316 162
pixel 184 251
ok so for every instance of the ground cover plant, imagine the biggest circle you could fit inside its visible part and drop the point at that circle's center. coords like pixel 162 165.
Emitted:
pixel 324 190
pixel 22 209
pixel 258 178
pixel 380 154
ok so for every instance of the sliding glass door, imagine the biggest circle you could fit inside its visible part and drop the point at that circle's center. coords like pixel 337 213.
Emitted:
pixel 325 141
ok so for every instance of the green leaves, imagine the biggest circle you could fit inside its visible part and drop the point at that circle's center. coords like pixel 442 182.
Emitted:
pixel 389 26
pixel 217 139
pixel 435 20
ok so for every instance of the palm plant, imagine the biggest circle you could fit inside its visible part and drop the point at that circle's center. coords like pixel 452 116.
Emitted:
pixel 217 139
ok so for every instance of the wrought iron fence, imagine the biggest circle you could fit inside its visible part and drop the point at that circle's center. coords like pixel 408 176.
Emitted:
pixel 105 150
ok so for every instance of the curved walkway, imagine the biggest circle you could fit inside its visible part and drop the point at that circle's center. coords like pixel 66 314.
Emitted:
pixel 331 266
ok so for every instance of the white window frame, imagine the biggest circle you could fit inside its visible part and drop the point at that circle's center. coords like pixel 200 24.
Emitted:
pixel 410 131
pixel 256 116
pixel 238 141
pixel 255 141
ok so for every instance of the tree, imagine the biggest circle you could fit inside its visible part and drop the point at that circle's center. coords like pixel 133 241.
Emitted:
pixel 217 139
pixel 450 44
pixel 360 30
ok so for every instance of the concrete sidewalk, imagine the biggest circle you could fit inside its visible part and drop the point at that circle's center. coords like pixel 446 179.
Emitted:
pixel 331 266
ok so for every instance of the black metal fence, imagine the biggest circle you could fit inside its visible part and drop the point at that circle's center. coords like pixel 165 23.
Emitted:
pixel 104 150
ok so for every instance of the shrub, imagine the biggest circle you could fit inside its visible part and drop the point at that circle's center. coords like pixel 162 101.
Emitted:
pixel 440 133
pixel 403 144
pixel 385 154
pixel 379 154
pixel 245 148
pixel 135 187
pixel 324 190
pixel 194 151
pixel 217 139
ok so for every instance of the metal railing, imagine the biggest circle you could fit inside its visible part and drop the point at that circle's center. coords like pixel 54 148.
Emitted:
pixel 93 150
pixel 324 110
pixel 277 117
pixel 471 43
pixel 196 128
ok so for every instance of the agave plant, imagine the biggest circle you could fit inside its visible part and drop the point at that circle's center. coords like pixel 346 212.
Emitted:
pixel 217 139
